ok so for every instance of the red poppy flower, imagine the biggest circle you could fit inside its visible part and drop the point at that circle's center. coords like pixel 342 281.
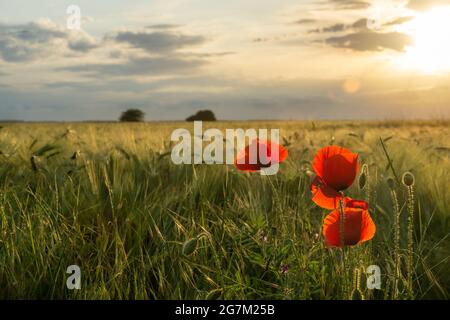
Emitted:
pixel 358 225
pixel 336 169
pixel 264 157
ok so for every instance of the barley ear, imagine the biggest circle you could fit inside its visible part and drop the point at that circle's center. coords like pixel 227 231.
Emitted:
pixel 357 293
pixel 408 181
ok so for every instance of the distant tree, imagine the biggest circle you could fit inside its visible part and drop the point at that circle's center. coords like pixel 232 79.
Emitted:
pixel 203 115
pixel 132 115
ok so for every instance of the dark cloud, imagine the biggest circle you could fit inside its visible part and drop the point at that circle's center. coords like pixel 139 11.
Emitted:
pixel 33 32
pixel 350 4
pixel 426 4
pixel 82 44
pixel 292 99
pixel 28 42
pixel 305 21
pixel 160 41
pixel 165 59
pixel 163 26
pixel 144 66
pixel 285 100
pixel 129 85
pixel 360 24
pixel 335 28
pixel 370 41
pixel 398 21
pixel 11 51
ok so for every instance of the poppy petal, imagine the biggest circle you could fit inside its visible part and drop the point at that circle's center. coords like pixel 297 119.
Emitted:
pixel 336 166
pixel 368 227
pixel 247 166
pixel 358 227
pixel 282 153
pixel 324 196
pixel 357 204
pixel 268 146
pixel 352 226
pixel 264 151
pixel 330 229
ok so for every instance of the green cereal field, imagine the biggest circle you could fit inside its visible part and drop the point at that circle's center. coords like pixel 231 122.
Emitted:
pixel 107 197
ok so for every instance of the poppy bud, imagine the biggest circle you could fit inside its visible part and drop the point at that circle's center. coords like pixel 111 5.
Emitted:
pixel 408 179
pixel 391 183
pixel 190 246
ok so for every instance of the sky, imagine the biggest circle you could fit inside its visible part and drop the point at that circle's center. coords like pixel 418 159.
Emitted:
pixel 242 59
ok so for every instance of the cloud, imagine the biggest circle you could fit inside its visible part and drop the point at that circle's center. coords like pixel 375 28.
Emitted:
pixel 83 43
pixel 159 42
pixel 164 47
pixel 398 21
pixel 163 26
pixel 334 28
pixel 421 5
pixel 296 99
pixel 350 4
pixel 40 39
pixel 305 21
pixel 370 41
pixel 144 66
pixel 360 24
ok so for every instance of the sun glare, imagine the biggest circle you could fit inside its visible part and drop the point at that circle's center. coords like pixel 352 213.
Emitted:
pixel 430 50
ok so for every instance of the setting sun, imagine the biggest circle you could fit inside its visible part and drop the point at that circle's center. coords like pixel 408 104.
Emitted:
pixel 430 32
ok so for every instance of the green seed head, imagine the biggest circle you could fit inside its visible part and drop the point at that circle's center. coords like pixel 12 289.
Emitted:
pixel 190 246
pixel 408 179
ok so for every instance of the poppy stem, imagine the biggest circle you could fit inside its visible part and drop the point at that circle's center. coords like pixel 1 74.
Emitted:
pixel 342 223
pixel 342 242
